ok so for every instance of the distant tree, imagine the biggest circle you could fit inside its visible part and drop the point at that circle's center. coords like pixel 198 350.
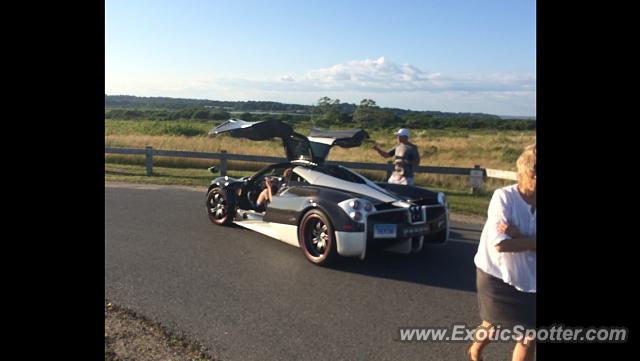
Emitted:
pixel 246 116
pixel 370 115
pixel 201 114
pixel 133 114
pixel 220 115
pixel 386 119
pixel 326 112
pixel 365 114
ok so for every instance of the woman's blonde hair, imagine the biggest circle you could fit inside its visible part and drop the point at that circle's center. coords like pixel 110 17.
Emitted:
pixel 526 163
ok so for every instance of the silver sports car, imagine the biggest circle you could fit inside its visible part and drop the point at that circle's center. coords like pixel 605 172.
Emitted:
pixel 325 209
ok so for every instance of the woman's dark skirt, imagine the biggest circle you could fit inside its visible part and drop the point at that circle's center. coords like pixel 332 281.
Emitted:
pixel 502 304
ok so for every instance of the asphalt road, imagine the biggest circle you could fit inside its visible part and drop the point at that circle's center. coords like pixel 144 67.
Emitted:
pixel 249 297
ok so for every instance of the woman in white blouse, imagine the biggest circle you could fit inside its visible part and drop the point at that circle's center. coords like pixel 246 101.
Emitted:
pixel 506 261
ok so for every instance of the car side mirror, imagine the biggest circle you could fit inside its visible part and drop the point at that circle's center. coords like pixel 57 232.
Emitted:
pixel 213 169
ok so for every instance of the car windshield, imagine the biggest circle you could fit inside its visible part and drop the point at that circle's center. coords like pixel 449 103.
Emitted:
pixel 341 173
pixel 320 150
pixel 298 149
pixel 276 170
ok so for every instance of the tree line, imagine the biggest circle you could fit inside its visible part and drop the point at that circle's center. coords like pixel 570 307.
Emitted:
pixel 164 114
pixel 325 113
pixel 134 102
pixel 368 115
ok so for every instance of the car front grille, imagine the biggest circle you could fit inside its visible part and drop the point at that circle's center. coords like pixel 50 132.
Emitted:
pixel 412 215
pixel 396 216
pixel 410 220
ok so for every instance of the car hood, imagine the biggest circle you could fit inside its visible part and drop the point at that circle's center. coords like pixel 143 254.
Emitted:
pixel 369 190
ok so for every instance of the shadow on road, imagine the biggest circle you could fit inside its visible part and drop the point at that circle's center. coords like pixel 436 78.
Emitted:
pixel 449 266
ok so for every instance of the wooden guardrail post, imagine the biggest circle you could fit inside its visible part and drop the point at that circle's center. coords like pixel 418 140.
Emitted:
pixel 223 163
pixel 475 179
pixel 148 151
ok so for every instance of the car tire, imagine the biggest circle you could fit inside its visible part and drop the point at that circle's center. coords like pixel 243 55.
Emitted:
pixel 317 238
pixel 220 206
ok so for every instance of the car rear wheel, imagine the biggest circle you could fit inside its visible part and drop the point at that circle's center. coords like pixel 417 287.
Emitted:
pixel 220 206
pixel 317 238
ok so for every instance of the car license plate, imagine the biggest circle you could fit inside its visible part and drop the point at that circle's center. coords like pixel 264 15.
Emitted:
pixel 384 231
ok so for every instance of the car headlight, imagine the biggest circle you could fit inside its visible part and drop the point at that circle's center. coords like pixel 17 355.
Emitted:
pixel 354 204
pixel 357 208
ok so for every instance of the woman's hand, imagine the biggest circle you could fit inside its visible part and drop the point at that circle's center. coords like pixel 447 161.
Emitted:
pixel 510 230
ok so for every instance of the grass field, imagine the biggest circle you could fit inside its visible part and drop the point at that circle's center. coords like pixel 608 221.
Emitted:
pixel 448 147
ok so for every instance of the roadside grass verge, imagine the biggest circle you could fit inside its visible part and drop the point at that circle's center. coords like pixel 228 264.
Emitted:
pixel 131 336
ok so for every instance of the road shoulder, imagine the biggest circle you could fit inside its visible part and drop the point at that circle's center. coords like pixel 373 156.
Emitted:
pixel 131 336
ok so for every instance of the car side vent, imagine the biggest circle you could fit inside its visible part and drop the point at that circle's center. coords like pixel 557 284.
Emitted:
pixel 385 206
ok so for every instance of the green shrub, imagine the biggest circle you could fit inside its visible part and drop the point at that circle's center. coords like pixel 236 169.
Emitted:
pixel 184 129
pixel 510 155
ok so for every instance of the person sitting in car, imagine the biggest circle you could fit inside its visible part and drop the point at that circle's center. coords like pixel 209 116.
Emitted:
pixel 266 195
pixel 397 176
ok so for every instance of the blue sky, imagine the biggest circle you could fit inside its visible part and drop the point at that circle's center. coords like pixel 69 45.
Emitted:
pixel 458 56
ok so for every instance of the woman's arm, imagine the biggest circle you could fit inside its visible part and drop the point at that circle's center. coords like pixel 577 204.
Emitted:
pixel 269 195
pixel 517 243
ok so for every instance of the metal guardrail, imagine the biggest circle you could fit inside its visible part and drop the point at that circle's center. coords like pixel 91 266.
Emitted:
pixel 476 174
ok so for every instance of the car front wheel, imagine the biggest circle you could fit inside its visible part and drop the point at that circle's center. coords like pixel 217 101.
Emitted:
pixel 317 238
pixel 220 206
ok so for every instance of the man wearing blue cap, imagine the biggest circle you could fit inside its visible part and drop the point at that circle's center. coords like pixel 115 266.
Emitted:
pixel 407 158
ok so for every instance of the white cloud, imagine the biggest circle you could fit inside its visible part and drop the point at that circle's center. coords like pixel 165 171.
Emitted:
pixel 384 76
pixel 287 78
pixel 367 74
pixel 381 75
pixel 389 84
